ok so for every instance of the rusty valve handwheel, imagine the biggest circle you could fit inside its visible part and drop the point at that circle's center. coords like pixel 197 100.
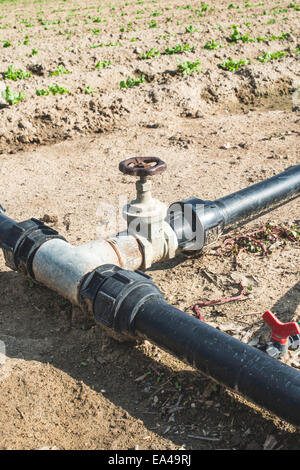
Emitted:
pixel 142 166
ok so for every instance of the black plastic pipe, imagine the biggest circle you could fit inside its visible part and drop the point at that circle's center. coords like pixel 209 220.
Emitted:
pixel 197 222
pixel 258 197
pixel 6 224
pixel 129 303
pixel 242 368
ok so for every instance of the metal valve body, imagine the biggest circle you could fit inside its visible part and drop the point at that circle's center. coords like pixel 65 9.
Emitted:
pixel 146 216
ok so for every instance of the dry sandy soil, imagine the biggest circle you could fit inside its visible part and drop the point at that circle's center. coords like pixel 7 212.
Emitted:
pixel 66 385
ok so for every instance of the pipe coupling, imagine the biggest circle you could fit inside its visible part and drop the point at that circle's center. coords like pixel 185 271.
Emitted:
pixel 114 296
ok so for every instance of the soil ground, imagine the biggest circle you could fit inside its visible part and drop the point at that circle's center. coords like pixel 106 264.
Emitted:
pixel 69 386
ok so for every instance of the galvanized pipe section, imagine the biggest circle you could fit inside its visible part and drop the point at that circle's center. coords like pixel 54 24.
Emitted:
pixel 62 266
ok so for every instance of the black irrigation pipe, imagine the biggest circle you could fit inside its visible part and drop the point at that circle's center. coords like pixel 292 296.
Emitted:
pixel 130 303
pixel 258 197
pixel 198 222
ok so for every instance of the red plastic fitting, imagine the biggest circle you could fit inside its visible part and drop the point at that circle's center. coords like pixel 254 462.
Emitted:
pixel 280 331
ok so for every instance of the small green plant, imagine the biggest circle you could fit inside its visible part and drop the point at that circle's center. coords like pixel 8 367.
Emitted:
pixel 190 29
pixel 179 48
pixel 281 37
pixel 59 71
pixel 12 74
pixel 233 65
pixel 10 97
pixel 268 56
pixel 103 64
pixel 204 6
pixel 112 44
pixel 235 36
pixel 7 44
pixel 95 31
pixel 34 52
pixel 58 89
pixel 132 82
pixel 89 91
pixel 153 24
pixel 42 92
pixel 212 45
pixel 185 68
pixel 152 53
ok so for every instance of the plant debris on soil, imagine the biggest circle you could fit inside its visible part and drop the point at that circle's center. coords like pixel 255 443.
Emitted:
pixel 66 123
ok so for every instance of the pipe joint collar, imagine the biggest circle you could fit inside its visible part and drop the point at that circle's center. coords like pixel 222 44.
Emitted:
pixel 24 239
pixel 114 296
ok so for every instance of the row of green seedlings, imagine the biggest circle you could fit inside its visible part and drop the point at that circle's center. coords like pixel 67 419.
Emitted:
pixel 13 98
pixel 237 36
pixel 197 12
pixel 233 65
pixel 190 29
pixel 98 19
pixel 183 68
pixel 153 24
pixel 9 44
pixel 18 74
pixel 210 45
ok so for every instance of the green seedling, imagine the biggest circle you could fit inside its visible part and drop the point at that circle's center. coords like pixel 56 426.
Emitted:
pixel 190 29
pixel 109 44
pixel 7 44
pixel 89 91
pixel 129 83
pixel 235 36
pixel 185 68
pixel 12 74
pixel 233 65
pixel 95 31
pixel 212 45
pixel 26 41
pixel 102 65
pixel 179 48
pixel 58 89
pixel 42 92
pixel 59 71
pixel 204 7
pixel 112 44
pixel 12 98
pixel 268 56
pixel 152 53
pixel 34 52
pixel 281 37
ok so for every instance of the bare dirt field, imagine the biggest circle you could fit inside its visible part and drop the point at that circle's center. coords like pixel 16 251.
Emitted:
pixel 63 130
